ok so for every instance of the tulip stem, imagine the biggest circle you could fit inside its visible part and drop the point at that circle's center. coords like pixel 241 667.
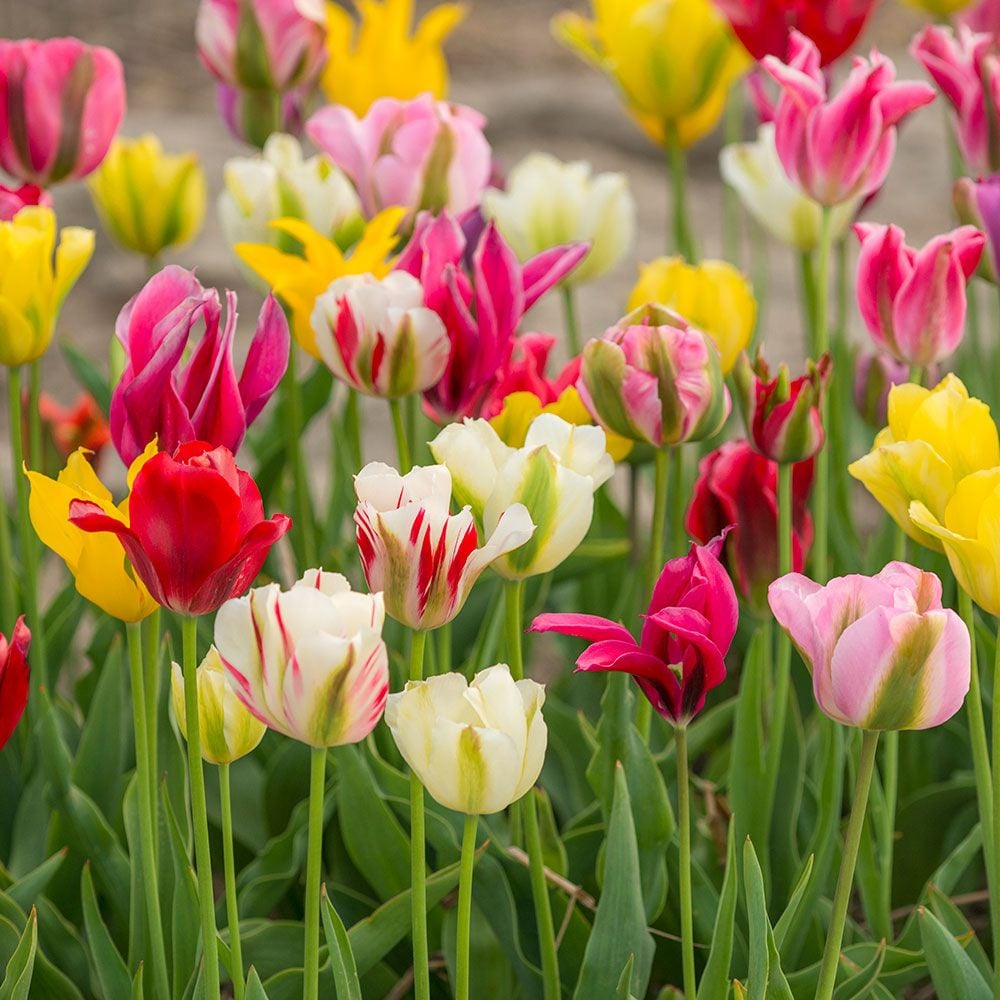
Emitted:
pixel 465 907
pixel 229 868
pixel 199 809
pixel 314 859
pixel 418 852
pixel 995 832
pixel 402 441
pixel 807 276
pixel 34 415
pixel 916 375
pixel 821 331
pixel 152 691
pixel 678 491
pixel 146 785
pixel 684 828
pixel 300 481
pixel 882 922
pixel 683 239
pixel 8 600
pixel 569 313
pixel 845 880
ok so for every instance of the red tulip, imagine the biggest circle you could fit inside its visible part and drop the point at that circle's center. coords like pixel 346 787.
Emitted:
pixel 197 535
pixel 13 679
pixel 525 372
pixel 81 425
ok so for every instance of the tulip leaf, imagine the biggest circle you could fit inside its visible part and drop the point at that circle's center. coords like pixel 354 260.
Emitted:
pixel 715 979
pixel 860 983
pixel 21 966
pixel 137 989
pixel 954 922
pixel 90 377
pixel 624 990
pixel 345 972
pixel 953 973
pixel 184 917
pixel 28 887
pixel 255 988
pixel 765 980
pixel 112 974
pixel 794 906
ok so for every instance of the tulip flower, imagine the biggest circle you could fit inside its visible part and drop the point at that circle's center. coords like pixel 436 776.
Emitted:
pixel 738 486
pixel 376 335
pixel 935 438
pixel 14 673
pixel 481 306
pixel 782 416
pixel 672 60
pixel 308 662
pixel 686 632
pixel 33 286
pixel 98 563
pixel 81 425
pixel 977 202
pixel 196 535
pixel 964 67
pixel 883 653
pixel 547 203
pixel 712 296
pixel 226 729
pixel 981 16
pixel 159 395
pixel 61 102
pixel 299 278
pixel 147 200
pixel 655 378
pixel 555 475
pixel 839 148
pixel 913 302
pixel 377 56
pixel 422 558
pixel 875 374
pixel 12 200
pixel 475 747
pixel 419 154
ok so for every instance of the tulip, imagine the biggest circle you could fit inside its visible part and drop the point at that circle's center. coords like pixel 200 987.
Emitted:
pixel 782 417
pixel 654 378
pixel 423 559
pixel 977 202
pixel 148 200
pixel 61 102
pixel 939 9
pixel 547 203
pixel 100 570
pixel 419 154
pixel 377 56
pixel 883 653
pixel 982 16
pixel 738 486
pixel 964 67
pixel 875 374
pixel 481 305
pixel 308 662
pixel 196 534
pixel 475 747
pixel 378 336
pixel 12 200
pixel 935 438
pixel 555 475
pixel 159 395
pixel 299 278
pixel 72 427
pixel 712 296
pixel 913 302
pixel 686 632
pixel 253 116
pixel 837 149
pixel 227 730
pixel 14 672
pixel 33 286
pixel 672 60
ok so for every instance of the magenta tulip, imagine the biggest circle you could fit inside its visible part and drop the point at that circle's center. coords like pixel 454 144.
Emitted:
pixel 12 200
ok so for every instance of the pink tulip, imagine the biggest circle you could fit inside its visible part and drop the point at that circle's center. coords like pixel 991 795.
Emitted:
pixel 481 306
pixel 875 373
pixel 421 154
pixel 687 631
pixel 525 372
pixel 160 395
pixel 982 16
pixel 965 67
pixel 12 200
pixel 251 122
pixel 913 301
pixel 61 103
pixel 882 651
pixel 841 147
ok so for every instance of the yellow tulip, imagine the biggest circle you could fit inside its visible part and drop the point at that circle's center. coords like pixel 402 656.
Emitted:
pixel 298 280
pixel 673 61
pixel 712 296
pixel 935 439
pixel 97 561
pixel 148 200
pixel 32 284
pixel 375 55
pixel 939 8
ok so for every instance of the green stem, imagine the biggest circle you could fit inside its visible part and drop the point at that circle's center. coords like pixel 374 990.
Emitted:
pixel 314 861
pixel 352 424
pixel 807 283
pixel 199 809
pixel 684 825
pixel 995 832
pixel 8 598
pixel 399 429
pixel 821 327
pixel 678 492
pixel 146 783
pixel 916 375
pixel 683 240
pixel 465 907
pixel 152 689
pixel 887 833
pixel 569 314
pixel 229 867
pixel 418 852
pixel 34 416
pixel 304 522
pixel 845 880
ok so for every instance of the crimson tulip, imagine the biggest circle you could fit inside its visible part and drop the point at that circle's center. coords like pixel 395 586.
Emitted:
pixel 13 678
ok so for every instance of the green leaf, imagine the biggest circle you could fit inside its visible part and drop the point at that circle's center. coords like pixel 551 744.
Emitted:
pixel 766 980
pixel 955 923
pixel 794 907
pixel 17 978
pixel 112 975
pixel 185 923
pixel 714 983
pixel 624 991
pixel 345 972
pixel 255 988
pixel 953 973
pixel 28 887
pixel 860 983
pixel 137 991
pixel 90 377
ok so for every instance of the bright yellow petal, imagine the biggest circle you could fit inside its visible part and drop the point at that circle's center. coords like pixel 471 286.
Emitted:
pixel 76 247
pixel 136 467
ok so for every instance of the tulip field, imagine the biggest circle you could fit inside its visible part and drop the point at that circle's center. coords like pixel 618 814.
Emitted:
pixel 394 626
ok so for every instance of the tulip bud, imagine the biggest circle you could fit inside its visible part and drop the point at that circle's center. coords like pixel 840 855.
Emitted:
pixel 875 373
pixel 228 731
pixel 475 747
pixel 14 673
pixel 977 203
pixel 253 116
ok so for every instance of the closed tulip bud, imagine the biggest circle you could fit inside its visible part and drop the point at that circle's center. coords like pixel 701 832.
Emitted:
pixel 655 378
pixel 148 200
pixel 377 335
pixel 875 373
pixel 253 116
pixel 547 203
pixel 228 730
pixel 977 203
pixel 308 662
pixel 424 559
pixel 14 672
pixel 475 747
pixel 554 475
pixel 883 652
